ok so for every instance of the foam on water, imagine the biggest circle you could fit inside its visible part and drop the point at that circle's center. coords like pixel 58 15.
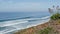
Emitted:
pixel 13 22
pixel 39 22
pixel 21 24
pixel 9 23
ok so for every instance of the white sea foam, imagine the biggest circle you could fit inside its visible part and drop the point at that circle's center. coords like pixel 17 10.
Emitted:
pixel 6 31
pixel 42 22
pixel 45 17
pixel 11 29
pixel 15 22
pixel 38 18
pixel 9 23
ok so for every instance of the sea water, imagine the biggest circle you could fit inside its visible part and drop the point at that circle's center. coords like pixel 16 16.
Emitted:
pixel 14 21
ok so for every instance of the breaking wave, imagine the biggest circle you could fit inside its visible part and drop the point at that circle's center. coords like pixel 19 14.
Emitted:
pixel 18 24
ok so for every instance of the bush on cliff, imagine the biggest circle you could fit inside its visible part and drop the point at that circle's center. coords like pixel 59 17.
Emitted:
pixel 46 30
pixel 55 16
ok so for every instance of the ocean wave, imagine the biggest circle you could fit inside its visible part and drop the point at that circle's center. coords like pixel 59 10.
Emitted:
pixel 14 22
pixel 18 28
pixel 39 22
pixel 9 23
pixel 45 17
pixel 30 17
pixel 36 19
pixel 15 19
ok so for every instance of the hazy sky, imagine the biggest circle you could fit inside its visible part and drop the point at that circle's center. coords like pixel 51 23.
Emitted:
pixel 27 5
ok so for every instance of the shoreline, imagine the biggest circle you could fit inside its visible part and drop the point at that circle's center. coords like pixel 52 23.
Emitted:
pixel 29 26
pixel 54 24
pixel 40 25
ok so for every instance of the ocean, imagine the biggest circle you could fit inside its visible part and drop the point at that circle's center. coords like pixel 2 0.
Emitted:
pixel 11 22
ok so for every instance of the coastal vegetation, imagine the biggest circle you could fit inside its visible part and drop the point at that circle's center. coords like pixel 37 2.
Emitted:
pixel 55 16
pixel 47 30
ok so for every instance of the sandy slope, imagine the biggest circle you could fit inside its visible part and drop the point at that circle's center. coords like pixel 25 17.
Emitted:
pixel 55 24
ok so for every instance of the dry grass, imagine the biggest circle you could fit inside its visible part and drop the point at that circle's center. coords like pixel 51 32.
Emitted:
pixel 55 24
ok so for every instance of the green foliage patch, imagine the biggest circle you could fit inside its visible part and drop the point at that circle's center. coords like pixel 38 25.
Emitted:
pixel 55 16
pixel 45 31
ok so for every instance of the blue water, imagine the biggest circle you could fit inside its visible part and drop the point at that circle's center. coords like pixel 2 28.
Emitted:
pixel 21 15
pixel 14 20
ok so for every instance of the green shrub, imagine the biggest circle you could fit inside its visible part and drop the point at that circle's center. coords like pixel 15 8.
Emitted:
pixel 46 30
pixel 55 16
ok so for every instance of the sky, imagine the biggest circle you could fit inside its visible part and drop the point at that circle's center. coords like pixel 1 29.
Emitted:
pixel 27 5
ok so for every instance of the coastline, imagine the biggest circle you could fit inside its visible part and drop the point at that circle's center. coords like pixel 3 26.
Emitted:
pixel 33 28
pixel 55 24
pixel 44 20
